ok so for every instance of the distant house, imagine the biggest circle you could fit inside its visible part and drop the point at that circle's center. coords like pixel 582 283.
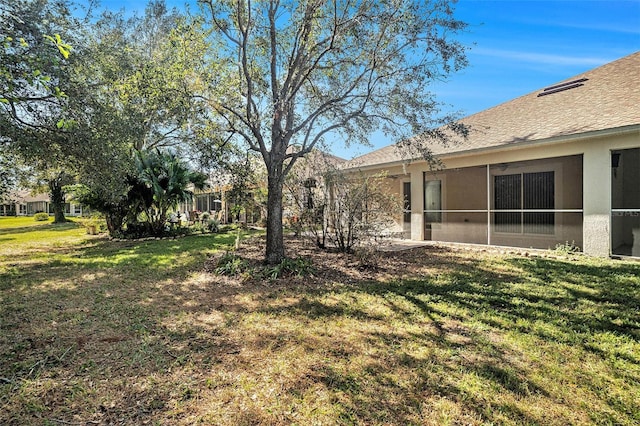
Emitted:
pixel 215 201
pixel 559 165
pixel 23 203
pixel 212 200
pixel 304 188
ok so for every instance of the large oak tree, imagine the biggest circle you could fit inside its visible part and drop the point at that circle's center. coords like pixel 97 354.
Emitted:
pixel 143 81
pixel 314 71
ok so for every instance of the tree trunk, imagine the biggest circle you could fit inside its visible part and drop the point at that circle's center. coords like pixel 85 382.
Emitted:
pixel 114 223
pixel 158 223
pixel 115 216
pixel 57 200
pixel 275 238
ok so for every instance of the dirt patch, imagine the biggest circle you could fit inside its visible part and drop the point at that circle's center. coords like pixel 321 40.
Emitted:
pixel 330 266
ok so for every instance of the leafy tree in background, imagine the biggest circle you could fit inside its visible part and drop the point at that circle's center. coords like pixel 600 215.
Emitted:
pixel 143 86
pixel 57 193
pixel 160 182
pixel 8 175
pixel 85 95
pixel 310 71
pixel 118 210
pixel 149 67
pixel 34 56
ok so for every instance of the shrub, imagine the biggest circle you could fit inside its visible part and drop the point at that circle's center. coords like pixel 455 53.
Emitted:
pixel 231 264
pixel 41 217
pixel 346 210
pixel 95 224
pixel 299 267
pixel 179 231
pixel 213 225
pixel 137 230
pixel 102 225
pixel 197 227
pixel 567 248
pixel 367 257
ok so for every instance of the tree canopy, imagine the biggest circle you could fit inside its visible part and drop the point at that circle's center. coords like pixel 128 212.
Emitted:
pixel 86 96
pixel 35 54
pixel 281 77
pixel 316 71
pixel 34 48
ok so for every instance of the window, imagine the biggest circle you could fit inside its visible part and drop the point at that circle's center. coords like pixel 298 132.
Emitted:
pixel 201 203
pixel 213 203
pixel 433 201
pixel 538 194
pixel 507 196
pixel 208 202
pixel 522 192
pixel 406 192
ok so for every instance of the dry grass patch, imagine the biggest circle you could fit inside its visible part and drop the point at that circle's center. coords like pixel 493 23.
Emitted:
pixel 146 333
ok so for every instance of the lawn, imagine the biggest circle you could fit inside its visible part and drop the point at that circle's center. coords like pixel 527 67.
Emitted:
pixel 97 332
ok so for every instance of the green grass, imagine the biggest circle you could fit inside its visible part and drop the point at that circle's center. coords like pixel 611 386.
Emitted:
pixel 138 332
pixel 8 222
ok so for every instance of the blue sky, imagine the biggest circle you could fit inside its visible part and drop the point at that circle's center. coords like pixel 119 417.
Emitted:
pixel 517 47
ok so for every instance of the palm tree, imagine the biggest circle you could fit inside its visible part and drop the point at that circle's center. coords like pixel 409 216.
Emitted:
pixel 169 178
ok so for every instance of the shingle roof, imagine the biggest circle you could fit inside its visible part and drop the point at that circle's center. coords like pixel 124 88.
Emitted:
pixel 609 98
pixel 24 196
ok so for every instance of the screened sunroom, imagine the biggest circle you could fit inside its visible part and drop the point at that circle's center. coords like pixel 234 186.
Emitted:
pixel 625 202
pixel 535 204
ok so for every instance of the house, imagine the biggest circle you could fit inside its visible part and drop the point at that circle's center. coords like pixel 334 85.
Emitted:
pixel 560 165
pixel 23 203
pixel 216 199
pixel 304 188
pixel 212 200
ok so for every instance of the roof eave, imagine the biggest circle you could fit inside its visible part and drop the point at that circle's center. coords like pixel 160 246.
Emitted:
pixel 594 134
pixel 510 147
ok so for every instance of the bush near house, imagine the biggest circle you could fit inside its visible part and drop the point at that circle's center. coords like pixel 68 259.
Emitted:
pixel 41 217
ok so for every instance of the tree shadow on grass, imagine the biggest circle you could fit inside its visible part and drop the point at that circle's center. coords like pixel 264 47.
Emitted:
pixel 127 260
pixel 618 283
pixel 383 350
pixel 594 299
pixel 409 299
pixel 531 298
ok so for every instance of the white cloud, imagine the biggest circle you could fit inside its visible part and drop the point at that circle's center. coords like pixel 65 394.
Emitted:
pixel 619 27
pixel 541 58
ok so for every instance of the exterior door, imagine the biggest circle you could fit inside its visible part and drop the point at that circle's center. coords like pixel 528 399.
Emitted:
pixel 432 206
pixel 406 214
